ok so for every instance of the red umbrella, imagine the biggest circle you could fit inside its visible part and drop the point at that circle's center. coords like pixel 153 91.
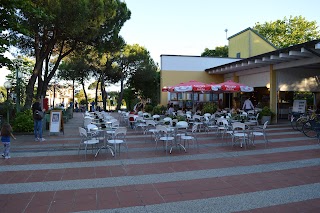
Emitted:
pixel 192 86
pixel 167 89
pixel 231 86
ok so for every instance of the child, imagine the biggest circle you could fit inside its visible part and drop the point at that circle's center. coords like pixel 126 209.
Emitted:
pixel 6 133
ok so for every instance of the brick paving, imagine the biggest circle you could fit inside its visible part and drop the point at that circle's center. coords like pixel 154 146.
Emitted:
pixel 50 176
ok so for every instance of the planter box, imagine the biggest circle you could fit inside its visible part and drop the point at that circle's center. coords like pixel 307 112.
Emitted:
pixel 264 119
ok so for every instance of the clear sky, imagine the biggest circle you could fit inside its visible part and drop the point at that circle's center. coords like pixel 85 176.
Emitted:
pixel 185 27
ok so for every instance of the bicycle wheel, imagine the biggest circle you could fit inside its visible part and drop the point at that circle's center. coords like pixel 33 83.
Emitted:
pixel 293 122
pixel 300 122
pixel 308 130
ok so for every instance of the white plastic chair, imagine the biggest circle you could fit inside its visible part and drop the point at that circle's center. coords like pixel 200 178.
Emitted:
pixel 85 140
pixel 262 132
pixel 119 137
pixel 191 136
pixel 239 134
pixel 164 136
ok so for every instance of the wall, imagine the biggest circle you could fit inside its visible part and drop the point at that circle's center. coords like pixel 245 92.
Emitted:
pixel 249 44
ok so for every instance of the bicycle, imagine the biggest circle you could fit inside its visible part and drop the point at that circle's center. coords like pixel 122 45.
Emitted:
pixel 311 128
pixel 298 120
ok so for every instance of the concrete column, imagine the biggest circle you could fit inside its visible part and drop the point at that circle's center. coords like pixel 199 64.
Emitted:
pixel 273 93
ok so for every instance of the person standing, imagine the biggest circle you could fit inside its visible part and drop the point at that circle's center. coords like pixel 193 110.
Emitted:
pixel 6 133
pixel 37 120
pixel 247 105
pixel 92 106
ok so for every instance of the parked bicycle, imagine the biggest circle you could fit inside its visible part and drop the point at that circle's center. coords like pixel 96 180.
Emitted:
pixel 298 119
pixel 311 128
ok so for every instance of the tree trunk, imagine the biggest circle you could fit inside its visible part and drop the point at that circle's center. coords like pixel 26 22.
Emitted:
pixel 31 83
pixel 85 95
pixel 121 93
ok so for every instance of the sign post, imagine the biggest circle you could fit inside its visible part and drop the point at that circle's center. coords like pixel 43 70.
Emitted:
pixel 56 122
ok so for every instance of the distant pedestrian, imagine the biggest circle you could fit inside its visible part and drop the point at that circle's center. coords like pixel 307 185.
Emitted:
pixel 92 106
pixel 37 120
pixel 6 133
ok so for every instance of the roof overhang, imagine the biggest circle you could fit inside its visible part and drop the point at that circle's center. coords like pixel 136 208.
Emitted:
pixel 309 51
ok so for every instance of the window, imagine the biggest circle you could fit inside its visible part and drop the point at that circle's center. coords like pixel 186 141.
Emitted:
pixel 238 55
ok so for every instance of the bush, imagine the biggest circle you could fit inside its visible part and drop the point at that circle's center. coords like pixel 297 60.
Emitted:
pixel 209 108
pixel 23 122
pixel 159 110
pixel 266 111
pixel 148 108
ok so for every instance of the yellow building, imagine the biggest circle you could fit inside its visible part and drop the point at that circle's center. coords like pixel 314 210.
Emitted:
pixel 253 61
pixel 248 43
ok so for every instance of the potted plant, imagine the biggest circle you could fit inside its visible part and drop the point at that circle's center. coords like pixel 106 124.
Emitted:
pixel 265 115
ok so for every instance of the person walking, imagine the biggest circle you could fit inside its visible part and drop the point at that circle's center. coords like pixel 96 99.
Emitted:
pixel 6 134
pixel 247 105
pixel 37 120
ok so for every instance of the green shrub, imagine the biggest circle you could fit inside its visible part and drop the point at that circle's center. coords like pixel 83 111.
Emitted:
pixel 159 110
pixel 148 108
pixel 266 111
pixel 23 122
pixel 209 108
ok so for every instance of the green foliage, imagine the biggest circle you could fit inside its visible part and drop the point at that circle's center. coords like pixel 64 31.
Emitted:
pixel 266 111
pixel 286 32
pixel 209 107
pixel 148 108
pixel 217 52
pixel 159 110
pixel 23 122
pixel 181 118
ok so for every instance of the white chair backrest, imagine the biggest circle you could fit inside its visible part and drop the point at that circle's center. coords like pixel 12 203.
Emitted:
pixel 87 121
pixel 265 124
pixel 150 123
pixel 194 128
pixel 220 121
pixel 168 119
pixel 92 127
pixel 238 125
pixel 139 119
pixel 82 132
pixel 161 128
pixel 156 117
pixel 115 123
pixel 244 114
pixel 182 124
pixel 207 115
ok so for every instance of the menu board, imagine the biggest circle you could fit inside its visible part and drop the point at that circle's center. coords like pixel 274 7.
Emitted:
pixel 299 106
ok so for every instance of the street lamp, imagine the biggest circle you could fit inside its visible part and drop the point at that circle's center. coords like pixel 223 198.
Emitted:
pixel 8 86
pixel 19 75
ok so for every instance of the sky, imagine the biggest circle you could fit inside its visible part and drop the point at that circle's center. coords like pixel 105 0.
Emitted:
pixel 185 27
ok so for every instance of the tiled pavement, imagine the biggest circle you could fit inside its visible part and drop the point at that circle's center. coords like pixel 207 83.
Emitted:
pixel 50 176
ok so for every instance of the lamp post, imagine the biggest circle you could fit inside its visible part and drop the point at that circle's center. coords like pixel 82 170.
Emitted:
pixel 8 86
pixel 18 77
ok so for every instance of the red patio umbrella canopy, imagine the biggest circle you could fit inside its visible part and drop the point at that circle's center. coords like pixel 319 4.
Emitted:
pixel 192 86
pixel 231 86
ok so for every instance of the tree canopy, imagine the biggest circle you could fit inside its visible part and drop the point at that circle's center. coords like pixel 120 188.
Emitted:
pixel 50 30
pixel 286 32
pixel 217 52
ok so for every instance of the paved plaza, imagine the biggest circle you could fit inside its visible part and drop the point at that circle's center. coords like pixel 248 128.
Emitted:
pixel 51 177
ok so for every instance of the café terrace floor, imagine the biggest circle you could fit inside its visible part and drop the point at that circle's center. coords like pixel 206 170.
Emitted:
pixel 50 176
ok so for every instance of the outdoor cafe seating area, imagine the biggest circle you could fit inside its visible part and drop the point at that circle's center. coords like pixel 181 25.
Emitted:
pixel 103 131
